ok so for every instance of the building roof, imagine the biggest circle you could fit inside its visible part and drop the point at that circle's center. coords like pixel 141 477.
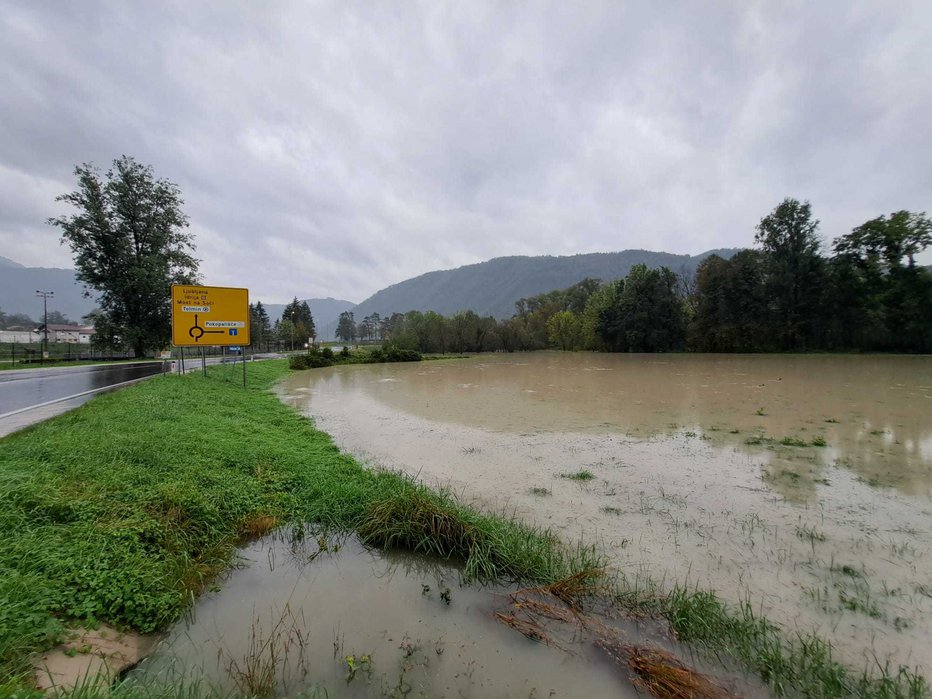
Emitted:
pixel 68 328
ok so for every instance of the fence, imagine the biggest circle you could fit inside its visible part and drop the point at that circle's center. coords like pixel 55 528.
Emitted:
pixel 31 353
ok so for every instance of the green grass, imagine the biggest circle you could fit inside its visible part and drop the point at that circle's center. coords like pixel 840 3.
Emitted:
pixel 799 666
pixel 583 476
pixel 125 509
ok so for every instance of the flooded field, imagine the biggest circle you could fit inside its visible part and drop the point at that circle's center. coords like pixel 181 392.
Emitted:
pixel 800 483
pixel 330 618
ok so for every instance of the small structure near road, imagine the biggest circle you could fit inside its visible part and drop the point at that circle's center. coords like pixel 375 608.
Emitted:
pixel 78 334
pixel 71 334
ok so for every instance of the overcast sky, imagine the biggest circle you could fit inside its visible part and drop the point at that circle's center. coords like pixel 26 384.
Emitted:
pixel 333 148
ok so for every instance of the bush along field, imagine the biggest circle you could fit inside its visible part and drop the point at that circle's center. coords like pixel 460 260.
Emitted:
pixel 124 510
pixel 316 358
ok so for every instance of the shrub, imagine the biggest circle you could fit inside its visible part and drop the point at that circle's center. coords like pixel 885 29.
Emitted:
pixel 326 353
pixel 394 353
pixel 308 361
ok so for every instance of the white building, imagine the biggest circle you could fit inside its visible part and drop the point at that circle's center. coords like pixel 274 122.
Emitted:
pixel 76 334
pixel 20 337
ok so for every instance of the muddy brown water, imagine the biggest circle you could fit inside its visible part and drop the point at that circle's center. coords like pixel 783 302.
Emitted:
pixel 708 470
pixel 354 622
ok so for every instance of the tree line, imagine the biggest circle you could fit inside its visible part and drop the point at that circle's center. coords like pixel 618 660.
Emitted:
pixel 21 321
pixel 867 294
pixel 294 330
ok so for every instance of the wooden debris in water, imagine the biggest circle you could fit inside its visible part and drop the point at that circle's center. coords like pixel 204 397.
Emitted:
pixel 665 677
pixel 539 613
pixel 257 525
pixel 526 627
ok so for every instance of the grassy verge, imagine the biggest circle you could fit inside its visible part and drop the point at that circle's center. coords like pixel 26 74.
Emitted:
pixel 124 509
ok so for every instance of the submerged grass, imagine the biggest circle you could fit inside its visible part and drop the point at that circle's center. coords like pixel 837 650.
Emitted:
pixel 583 475
pixel 792 666
pixel 125 509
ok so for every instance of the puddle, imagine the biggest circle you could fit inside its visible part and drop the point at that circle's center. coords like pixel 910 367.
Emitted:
pixel 361 623
pixel 706 470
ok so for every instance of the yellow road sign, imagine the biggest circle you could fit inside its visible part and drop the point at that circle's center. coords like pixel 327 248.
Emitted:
pixel 209 315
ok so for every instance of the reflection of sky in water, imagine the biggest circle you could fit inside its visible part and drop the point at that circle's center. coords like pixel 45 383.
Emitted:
pixel 865 409
pixel 356 602
pixel 925 448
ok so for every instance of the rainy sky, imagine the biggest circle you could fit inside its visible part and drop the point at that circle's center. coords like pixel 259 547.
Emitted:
pixel 334 148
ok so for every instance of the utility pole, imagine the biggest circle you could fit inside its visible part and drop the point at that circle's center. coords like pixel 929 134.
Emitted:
pixel 46 295
pixel 292 329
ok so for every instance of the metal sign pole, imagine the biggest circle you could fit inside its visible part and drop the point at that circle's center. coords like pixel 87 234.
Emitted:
pixel 203 361
pixel 181 365
pixel 244 367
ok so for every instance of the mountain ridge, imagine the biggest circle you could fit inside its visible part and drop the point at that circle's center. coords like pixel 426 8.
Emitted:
pixel 492 287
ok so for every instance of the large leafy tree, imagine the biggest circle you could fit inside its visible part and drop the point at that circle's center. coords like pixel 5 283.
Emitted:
pixel 642 313
pixel 563 330
pixel 794 271
pixel 877 287
pixel 130 245
pixel 730 304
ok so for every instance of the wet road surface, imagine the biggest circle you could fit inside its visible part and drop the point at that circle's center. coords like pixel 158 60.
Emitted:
pixel 30 395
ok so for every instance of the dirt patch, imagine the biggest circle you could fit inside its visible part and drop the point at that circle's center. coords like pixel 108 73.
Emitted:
pixel 90 656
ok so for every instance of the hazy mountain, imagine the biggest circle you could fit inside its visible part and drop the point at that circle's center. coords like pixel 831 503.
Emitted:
pixel 7 262
pixel 325 311
pixel 18 286
pixel 492 287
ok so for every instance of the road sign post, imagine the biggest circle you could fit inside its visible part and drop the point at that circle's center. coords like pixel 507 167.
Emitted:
pixel 210 316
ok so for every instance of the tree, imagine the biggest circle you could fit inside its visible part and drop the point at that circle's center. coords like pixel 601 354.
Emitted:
pixel 260 326
pixel 58 318
pixel 18 320
pixel 298 314
pixel 729 304
pixel 884 298
pixel 794 271
pixel 130 246
pixel 563 330
pixel 883 243
pixel 346 327
pixel 641 313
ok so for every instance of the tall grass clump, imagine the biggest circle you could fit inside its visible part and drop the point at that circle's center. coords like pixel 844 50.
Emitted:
pixel 800 665
pixel 413 517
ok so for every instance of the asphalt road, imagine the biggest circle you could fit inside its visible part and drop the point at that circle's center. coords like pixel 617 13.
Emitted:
pixel 30 395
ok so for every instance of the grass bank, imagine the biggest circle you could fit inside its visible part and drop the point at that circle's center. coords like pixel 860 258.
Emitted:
pixel 126 508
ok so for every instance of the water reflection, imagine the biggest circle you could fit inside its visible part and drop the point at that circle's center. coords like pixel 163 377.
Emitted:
pixel 387 611
pixel 872 413
pixel 755 476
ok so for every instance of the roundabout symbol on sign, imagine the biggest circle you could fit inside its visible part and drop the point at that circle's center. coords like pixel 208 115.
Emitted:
pixel 197 332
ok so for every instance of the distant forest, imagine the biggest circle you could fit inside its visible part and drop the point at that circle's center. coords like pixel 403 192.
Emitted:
pixel 783 295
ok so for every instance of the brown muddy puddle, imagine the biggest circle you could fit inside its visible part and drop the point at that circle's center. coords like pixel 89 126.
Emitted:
pixel 352 622
pixel 708 470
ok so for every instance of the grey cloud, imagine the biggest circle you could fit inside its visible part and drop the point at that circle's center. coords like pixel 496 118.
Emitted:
pixel 332 149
